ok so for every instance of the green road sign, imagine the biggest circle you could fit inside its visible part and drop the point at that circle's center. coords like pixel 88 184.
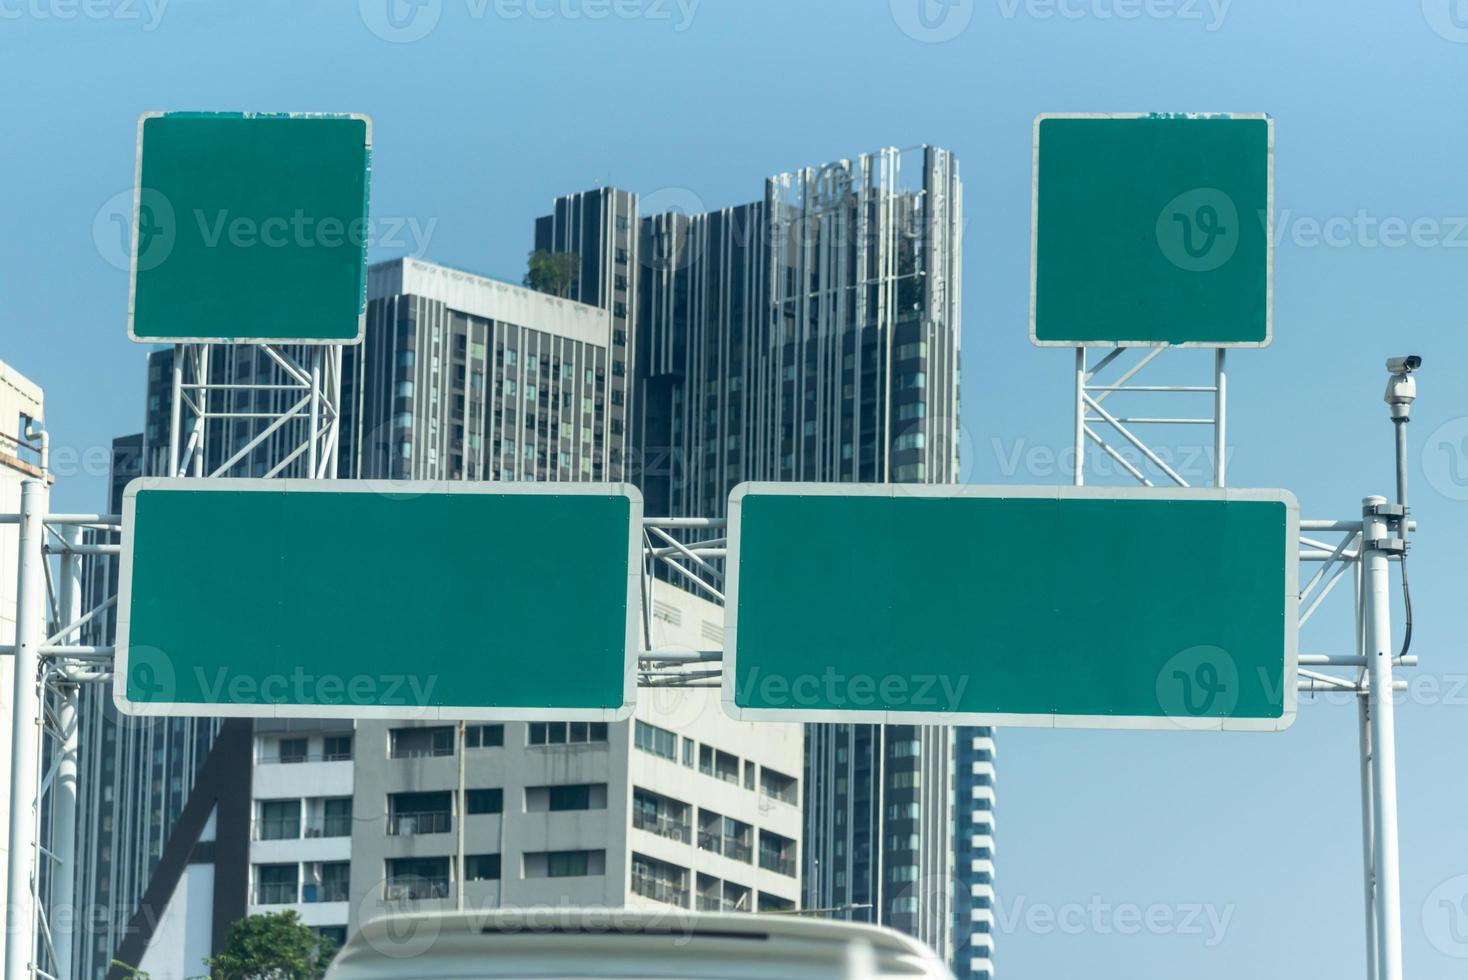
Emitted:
pixel 250 227
pixel 346 598
pixel 1042 606
pixel 1153 230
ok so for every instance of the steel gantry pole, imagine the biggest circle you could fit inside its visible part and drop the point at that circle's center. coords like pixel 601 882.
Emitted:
pixel 61 914
pixel 30 604
pixel 1375 557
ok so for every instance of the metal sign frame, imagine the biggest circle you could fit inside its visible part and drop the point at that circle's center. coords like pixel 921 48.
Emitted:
pixel 132 286
pixel 1130 722
pixel 1035 231
pixel 631 645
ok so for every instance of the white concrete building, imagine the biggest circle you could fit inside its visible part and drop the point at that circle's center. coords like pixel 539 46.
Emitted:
pixel 20 404
pixel 680 807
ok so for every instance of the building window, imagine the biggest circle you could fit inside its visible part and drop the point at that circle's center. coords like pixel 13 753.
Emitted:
pixel 484 801
pixel 484 736
pixel 659 880
pixel 416 743
pixel 774 903
pixel 776 853
pixel 416 879
pixel 566 733
pixel 330 881
pixel 688 748
pixel 778 786
pixel 293 750
pixel 276 884
pixel 337 748
pixel 661 815
pixel 565 864
pixel 411 814
pixel 571 797
pixel 336 818
pixel 658 741
pixel 481 867
pixel 278 820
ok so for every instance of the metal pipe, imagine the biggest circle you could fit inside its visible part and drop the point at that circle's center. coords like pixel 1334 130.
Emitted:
pixel 1220 417
pixel 1078 476
pixel 61 912
pixel 175 410
pixel 24 736
pixel 1368 798
pixel 680 522
pixel 1378 638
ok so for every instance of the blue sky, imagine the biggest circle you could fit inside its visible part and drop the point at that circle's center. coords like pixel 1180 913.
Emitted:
pixel 498 106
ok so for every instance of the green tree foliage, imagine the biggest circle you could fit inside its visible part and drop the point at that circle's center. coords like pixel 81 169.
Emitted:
pixel 278 946
pixel 553 272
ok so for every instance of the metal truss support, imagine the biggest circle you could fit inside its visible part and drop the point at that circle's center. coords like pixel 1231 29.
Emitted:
pixel 1115 434
pixel 51 661
pixel 697 565
pixel 293 407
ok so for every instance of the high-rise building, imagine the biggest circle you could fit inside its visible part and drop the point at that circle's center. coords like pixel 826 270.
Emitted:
pixel 462 377
pixel 599 227
pixel 21 403
pixel 814 335
pixel 973 853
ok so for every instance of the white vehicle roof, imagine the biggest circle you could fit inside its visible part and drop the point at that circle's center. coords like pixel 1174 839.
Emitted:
pixel 676 944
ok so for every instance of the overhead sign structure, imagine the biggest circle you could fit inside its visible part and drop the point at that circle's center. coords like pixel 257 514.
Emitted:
pixel 250 227
pixel 348 598
pixel 1064 607
pixel 1153 230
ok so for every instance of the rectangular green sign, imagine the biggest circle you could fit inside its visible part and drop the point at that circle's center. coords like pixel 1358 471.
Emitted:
pixel 347 598
pixel 1153 230
pixel 250 227
pixel 1068 607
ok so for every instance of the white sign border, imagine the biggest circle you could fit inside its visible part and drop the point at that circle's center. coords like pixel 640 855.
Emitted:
pixel 631 648
pixel 1129 722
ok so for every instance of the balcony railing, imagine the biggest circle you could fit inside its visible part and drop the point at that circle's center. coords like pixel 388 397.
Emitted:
pixel 276 893
pixel 737 849
pixel 662 824
pixel 417 889
pixel 413 824
pixel 333 826
pixel 660 890
pixel 331 891
pixel 278 828
pixel 772 861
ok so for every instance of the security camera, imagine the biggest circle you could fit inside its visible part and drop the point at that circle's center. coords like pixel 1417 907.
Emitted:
pixel 1403 365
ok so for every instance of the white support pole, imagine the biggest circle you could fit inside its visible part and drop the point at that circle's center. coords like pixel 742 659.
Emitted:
pixel 313 436
pixel 24 735
pixel 1080 453
pixel 61 912
pixel 1368 804
pixel 1220 418
pixel 175 411
pixel 1378 638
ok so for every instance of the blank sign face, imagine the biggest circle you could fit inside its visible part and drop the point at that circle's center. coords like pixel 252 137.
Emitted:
pixel 344 598
pixel 250 227
pixel 1153 230
pixel 1053 607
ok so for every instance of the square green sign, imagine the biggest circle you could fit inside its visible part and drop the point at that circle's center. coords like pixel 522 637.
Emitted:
pixel 250 227
pixel 1056 607
pixel 1152 230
